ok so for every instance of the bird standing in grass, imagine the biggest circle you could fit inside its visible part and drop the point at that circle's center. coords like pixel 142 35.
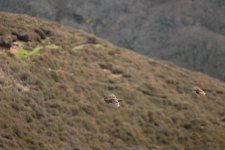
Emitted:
pixel 198 90
pixel 112 99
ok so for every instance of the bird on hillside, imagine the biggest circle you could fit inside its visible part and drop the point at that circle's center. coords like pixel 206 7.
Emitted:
pixel 112 99
pixel 198 90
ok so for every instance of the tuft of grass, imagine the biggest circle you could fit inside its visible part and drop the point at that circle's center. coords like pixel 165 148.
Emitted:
pixel 22 53
pixel 52 46
pixel 79 47
pixel 46 40
pixel 101 46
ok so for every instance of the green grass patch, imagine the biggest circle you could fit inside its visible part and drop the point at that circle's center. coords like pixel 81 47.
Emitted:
pixel 22 53
pixel 100 46
pixel 52 46
pixel 46 40
pixel 79 47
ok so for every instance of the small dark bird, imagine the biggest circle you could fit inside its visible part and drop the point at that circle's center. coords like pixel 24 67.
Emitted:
pixel 198 90
pixel 112 99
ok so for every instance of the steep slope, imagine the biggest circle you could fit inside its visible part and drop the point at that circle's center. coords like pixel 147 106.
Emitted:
pixel 187 32
pixel 52 83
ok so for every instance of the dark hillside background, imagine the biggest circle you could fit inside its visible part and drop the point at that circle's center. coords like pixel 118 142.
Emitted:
pixel 187 32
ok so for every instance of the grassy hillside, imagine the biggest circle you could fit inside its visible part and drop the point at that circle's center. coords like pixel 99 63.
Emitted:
pixel 190 33
pixel 52 90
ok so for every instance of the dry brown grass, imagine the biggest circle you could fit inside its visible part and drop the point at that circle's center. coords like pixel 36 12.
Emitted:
pixel 64 108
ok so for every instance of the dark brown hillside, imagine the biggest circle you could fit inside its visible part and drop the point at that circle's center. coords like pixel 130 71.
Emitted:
pixel 52 87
